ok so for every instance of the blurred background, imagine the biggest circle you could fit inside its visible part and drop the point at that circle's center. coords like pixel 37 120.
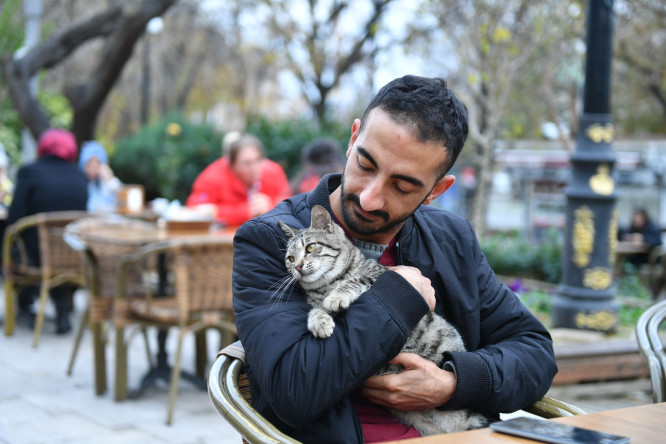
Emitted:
pixel 160 82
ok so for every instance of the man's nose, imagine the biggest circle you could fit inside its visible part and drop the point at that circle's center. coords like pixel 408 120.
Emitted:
pixel 371 197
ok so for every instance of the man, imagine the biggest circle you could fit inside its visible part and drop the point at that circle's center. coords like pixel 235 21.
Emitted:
pixel 242 184
pixel 398 156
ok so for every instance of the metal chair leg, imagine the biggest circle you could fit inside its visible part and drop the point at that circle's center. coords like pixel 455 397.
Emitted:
pixel 175 378
pixel 39 319
pixel 10 309
pixel 77 340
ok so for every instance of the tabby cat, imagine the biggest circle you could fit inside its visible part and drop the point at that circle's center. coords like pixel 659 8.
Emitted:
pixel 334 273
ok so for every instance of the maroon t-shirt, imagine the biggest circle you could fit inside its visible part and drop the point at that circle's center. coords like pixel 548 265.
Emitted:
pixel 377 423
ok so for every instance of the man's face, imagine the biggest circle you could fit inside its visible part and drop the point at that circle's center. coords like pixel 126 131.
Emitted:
pixel 388 174
pixel 248 165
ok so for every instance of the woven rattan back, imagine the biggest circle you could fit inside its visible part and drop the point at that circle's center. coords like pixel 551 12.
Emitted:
pixel 103 257
pixel 202 271
pixel 56 255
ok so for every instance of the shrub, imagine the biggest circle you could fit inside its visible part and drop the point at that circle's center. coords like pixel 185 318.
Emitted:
pixel 285 139
pixel 513 254
pixel 166 157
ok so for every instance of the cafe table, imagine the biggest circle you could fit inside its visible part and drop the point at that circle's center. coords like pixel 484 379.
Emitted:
pixel 105 240
pixel 644 424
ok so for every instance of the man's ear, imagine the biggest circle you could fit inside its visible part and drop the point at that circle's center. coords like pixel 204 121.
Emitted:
pixel 440 188
pixel 355 130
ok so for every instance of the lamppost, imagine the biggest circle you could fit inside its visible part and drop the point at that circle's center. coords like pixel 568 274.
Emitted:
pixel 153 27
pixel 32 10
pixel 585 297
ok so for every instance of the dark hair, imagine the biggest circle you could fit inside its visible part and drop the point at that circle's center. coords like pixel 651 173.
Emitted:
pixel 430 107
pixel 323 154
pixel 242 142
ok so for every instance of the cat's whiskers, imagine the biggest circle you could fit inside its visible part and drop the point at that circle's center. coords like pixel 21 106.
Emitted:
pixel 280 287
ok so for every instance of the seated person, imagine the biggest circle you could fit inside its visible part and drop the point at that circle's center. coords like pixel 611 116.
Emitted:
pixel 52 183
pixel 642 231
pixel 325 390
pixel 242 184
pixel 319 158
pixel 103 185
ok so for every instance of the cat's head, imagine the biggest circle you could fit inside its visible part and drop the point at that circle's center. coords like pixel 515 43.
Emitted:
pixel 316 255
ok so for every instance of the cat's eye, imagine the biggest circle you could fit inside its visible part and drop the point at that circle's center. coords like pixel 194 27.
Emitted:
pixel 310 248
pixel 291 258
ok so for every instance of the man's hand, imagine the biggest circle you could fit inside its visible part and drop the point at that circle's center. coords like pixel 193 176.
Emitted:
pixel 421 385
pixel 421 283
pixel 259 204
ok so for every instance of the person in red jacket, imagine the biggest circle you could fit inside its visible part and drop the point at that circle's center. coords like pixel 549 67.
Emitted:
pixel 242 184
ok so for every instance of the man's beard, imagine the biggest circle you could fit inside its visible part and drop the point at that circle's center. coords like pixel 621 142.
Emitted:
pixel 362 226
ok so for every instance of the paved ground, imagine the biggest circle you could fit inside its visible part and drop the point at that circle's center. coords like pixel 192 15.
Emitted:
pixel 40 404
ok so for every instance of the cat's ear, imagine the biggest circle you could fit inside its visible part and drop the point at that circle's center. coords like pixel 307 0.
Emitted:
pixel 321 220
pixel 289 231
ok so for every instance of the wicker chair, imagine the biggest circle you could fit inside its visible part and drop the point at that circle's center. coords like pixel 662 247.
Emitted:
pixel 102 257
pixel 651 347
pixel 229 389
pixel 60 264
pixel 201 270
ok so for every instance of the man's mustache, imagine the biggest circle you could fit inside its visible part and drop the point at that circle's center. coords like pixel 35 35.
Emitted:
pixel 354 198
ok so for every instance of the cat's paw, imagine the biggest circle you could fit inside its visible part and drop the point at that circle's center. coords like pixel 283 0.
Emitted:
pixel 336 301
pixel 320 323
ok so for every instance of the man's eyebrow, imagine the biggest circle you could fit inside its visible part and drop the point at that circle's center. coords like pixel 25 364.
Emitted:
pixel 367 155
pixel 414 181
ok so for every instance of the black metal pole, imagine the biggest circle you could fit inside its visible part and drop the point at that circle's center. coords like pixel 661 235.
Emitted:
pixel 585 297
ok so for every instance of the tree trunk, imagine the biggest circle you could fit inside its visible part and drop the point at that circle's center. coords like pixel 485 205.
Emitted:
pixel 122 25
pixel 479 207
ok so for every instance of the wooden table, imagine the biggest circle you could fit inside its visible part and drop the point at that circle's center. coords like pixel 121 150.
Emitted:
pixel 106 241
pixel 645 424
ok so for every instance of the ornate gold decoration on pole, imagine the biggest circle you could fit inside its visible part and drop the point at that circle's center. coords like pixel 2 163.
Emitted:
pixel 585 297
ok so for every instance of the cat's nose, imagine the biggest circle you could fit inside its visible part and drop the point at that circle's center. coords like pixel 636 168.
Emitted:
pixel 299 267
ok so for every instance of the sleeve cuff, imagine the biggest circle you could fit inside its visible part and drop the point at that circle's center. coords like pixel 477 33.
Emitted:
pixel 473 378
pixel 405 304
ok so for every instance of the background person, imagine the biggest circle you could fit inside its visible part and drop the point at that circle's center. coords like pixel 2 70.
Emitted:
pixel 323 390
pixel 52 183
pixel 242 184
pixel 103 185
pixel 318 158
pixel 642 230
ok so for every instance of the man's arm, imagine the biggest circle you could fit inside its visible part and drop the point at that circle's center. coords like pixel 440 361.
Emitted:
pixel 302 376
pixel 513 365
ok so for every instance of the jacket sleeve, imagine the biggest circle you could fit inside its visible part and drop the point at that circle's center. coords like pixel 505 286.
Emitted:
pixel 19 206
pixel 299 375
pixel 514 364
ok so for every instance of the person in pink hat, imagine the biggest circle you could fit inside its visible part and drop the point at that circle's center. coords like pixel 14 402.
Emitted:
pixel 52 183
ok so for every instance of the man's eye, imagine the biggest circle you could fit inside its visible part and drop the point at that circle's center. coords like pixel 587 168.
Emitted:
pixel 400 190
pixel 363 167
pixel 310 248
pixel 291 258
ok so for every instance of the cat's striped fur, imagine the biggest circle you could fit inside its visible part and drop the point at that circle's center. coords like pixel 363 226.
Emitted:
pixel 334 273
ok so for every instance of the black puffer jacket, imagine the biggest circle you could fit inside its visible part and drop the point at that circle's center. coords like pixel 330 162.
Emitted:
pixel 302 384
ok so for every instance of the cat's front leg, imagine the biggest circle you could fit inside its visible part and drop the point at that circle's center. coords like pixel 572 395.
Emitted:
pixel 341 297
pixel 320 323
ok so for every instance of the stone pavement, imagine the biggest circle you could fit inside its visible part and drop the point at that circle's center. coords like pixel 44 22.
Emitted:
pixel 40 404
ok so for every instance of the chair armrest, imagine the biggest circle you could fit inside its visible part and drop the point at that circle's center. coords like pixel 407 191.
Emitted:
pixel 226 397
pixel 548 407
